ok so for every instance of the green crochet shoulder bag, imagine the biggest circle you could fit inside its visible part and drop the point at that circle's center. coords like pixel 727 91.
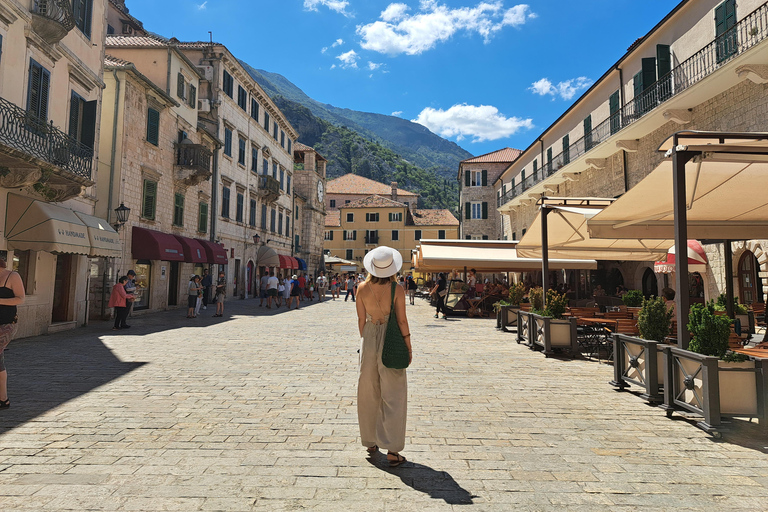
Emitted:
pixel 394 354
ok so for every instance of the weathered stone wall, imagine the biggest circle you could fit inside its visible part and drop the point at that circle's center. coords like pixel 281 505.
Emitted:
pixel 490 227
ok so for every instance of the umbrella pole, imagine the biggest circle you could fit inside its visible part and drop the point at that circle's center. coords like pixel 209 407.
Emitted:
pixel 544 254
pixel 728 260
pixel 679 159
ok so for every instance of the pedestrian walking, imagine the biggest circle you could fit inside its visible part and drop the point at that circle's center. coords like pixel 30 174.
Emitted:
pixel 310 291
pixel 272 284
pixel 130 289
pixel 440 290
pixel 263 287
pixel 382 393
pixel 120 300
pixel 322 284
pixel 207 281
pixel 351 285
pixel 193 289
pixel 280 292
pixel 302 286
pixel 412 287
pixel 295 291
pixel 221 293
pixel 287 292
pixel 11 295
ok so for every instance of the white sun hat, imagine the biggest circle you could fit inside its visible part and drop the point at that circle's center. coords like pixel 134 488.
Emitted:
pixel 383 261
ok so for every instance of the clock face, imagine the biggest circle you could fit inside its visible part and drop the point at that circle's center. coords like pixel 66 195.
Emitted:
pixel 320 191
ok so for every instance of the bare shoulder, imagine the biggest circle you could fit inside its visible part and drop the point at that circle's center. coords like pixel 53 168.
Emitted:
pixel 362 286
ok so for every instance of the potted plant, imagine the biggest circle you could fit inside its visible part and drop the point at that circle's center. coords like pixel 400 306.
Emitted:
pixel 633 299
pixel 740 313
pixel 709 380
pixel 506 314
pixel 551 331
pixel 654 319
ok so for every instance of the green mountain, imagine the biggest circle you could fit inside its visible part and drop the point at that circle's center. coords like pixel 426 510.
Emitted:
pixel 411 141
pixel 349 152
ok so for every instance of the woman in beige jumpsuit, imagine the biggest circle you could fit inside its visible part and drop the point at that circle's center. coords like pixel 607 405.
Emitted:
pixel 382 393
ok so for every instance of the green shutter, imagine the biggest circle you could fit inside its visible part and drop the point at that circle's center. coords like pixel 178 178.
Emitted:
pixel 180 86
pixel 153 126
pixel 202 218
pixel 485 210
pixel 637 84
pixel 330 237
pixel 663 59
pixel 549 155
pixel 178 209
pixel 74 115
pixel 614 107
pixel 649 72
pixel 467 177
pixel 588 133
pixel 725 19
pixel 566 150
pixel 485 178
pixel 150 200
pixel 467 211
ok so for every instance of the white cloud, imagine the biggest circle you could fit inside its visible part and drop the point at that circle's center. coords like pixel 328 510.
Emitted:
pixel 373 66
pixel 201 7
pixel 339 6
pixel 481 123
pixel 397 113
pixel 566 90
pixel 348 59
pixel 398 31
pixel 336 43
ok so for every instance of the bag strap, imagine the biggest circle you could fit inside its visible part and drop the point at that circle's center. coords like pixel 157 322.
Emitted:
pixel 392 303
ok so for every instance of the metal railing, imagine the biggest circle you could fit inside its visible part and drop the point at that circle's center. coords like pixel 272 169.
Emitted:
pixel 747 33
pixel 269 185
pixel 26 133
pixel 194 156
pixel 59 11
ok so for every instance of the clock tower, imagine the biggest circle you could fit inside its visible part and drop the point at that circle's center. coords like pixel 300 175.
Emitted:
pixel 309 169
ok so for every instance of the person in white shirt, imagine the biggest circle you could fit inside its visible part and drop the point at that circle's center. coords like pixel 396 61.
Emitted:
pixel 321 284
pixel 272 284
pixel 263 288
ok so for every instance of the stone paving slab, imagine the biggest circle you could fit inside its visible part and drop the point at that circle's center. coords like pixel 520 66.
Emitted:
pixel 256 411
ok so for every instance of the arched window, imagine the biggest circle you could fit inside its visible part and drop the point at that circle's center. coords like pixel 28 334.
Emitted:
pixel 650 285
pixel 750 285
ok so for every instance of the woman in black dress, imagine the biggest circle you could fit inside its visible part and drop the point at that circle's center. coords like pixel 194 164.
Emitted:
pixel 11 295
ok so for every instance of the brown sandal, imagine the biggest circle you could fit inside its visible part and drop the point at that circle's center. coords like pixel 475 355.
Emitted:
pixel 373 449
pixel 393 463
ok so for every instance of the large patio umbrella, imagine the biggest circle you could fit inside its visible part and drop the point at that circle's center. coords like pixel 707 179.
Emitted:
pixel 712 187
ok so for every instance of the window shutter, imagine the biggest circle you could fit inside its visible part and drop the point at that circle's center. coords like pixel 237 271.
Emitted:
pixel 588 133
pixel 637 84
pixel 549 155
pixel 485 237
pixel 485 210
pixel 467 178
pixel 614 107
pixel 663 59
pixel 1 47
pixel 354 235
pixel 330 234
pixel 180 86
pixel 485 178
pixel 192 96
pixel 202 221
pixel 74 115
pixel 287 223
pixel 153 126
pixel 467 211
pixel 566 150
pixel 88 123
pixel 150 199
pixel 649 72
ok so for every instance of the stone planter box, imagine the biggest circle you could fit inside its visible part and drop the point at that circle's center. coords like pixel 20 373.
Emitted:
pixel 638 362
pixel 506 317
pixel 712 388
pixel 551 335
pixel 525 327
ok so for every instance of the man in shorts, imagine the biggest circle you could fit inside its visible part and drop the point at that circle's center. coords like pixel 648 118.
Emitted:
pixel 272 284
pixel 221 293
pixel 321 284
pixel 263 288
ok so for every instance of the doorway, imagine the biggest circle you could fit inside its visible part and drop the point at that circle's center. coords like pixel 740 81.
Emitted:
pixel 249 279
pixel 173 284
pixel 750 286
pixel 236 279
pixel 61 289
pixel 650 284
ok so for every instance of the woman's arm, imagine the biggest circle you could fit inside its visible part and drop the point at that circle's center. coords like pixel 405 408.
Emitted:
pixel 15 284
pixel 402 319
pixel 360 306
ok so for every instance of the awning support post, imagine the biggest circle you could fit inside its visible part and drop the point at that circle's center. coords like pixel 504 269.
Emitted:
pixel 682 307
pixel 544 253
pixel 728 261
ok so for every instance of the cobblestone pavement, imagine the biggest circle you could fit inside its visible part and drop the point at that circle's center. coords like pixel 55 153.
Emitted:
pixel 256 411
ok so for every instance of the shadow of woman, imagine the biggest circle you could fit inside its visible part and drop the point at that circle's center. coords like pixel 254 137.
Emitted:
pixel 438 484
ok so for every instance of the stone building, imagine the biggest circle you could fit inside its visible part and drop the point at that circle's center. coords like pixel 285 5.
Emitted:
pixel 252 170
pixel 309 213
pixel 157 162
pixel 51 84
pixel 357 227
pixel 477 198
pixel 703 67
pixel 351 187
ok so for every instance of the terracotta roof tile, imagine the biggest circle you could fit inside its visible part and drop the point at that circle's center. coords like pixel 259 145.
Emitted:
pixel 197 44
pixel 354 184
pixel 434 217
pixel 375 202
pixel 332 219
pixel 115 62
pixel 502 155
pixel 136 41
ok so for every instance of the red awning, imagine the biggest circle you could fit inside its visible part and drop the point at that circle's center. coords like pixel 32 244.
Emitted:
pixel 294 263
pixel 285 261
pixel 216 254
pixel 148 244
pixel 194 252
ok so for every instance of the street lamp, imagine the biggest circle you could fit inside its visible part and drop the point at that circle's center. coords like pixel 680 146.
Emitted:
pixel 121 212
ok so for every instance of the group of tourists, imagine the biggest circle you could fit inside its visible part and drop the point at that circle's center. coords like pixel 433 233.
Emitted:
pixel 284 290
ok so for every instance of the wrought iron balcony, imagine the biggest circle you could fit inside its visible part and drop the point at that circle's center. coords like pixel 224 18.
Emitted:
pixel 269 188
pixel 193 161
pixel 28 140
pixel 372 239
pixel 747 33
pixel 52 19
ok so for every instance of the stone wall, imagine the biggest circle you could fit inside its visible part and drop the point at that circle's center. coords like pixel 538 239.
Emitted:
pixel 490 227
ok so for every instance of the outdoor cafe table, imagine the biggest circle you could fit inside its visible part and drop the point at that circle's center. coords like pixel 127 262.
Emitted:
pixel 595 339
pixel 759 353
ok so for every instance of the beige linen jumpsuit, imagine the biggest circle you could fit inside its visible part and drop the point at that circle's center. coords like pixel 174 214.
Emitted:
pixel 382 394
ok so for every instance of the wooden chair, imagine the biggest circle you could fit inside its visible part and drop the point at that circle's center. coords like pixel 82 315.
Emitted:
pixel 617 315
pixel 581 312
pixel 627 326
pixel 759 310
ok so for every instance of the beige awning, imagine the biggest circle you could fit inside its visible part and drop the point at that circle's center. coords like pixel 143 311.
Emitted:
pixel 569 238
pixel 488 256
pixel 104 240
pixel 39 226
pixel 726 201
pixel 267 257
pixel 335 260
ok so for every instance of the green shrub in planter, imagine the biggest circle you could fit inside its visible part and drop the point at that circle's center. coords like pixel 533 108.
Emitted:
pixel 654 319
pixel 536 298
pixel 710 331
pixel 633 299
pixel 516 294
pixel 556 304
pixel 738 309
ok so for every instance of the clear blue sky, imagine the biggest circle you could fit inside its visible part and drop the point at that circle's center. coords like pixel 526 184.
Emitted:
pixel 485 74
